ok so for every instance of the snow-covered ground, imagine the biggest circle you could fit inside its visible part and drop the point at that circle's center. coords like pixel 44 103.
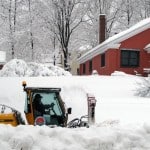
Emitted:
pixel 122 118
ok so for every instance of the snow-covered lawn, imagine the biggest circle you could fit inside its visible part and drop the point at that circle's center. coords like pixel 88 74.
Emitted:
pixel 94 138
pixel 122 118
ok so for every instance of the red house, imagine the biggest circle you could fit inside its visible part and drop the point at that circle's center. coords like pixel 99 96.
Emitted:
pixel 128 51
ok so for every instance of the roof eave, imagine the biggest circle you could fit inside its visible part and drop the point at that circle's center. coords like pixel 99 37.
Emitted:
pixel 95 51
pixel 114 40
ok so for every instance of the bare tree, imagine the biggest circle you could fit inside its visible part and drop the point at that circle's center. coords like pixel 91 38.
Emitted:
pixel 12 24
pixel 31 27
pixel 143 9
pixel 9 17
pixel 65 22
pixel 31 32
pixel 94 9
pixel 127 12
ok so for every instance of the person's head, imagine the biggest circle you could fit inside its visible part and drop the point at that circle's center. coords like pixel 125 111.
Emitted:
pixel 37 98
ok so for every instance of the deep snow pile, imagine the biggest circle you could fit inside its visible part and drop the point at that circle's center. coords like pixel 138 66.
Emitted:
pixel 122 118
pixel 94 138
pixel 19 68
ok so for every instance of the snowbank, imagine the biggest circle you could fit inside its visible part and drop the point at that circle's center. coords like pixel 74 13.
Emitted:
pixel 122 118
pixel 93 138
pixel 19 68
pixel 119 73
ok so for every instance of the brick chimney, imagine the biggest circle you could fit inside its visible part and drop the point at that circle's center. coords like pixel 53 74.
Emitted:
pixel 102 28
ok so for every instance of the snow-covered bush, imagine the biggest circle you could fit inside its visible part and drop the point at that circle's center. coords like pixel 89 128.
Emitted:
pixel 15 67
pixel 39 70
pixel 143 88
pixel 19 68
pixel 58 71
pixel 94 72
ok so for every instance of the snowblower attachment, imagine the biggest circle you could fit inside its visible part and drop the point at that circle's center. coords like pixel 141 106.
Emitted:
pixel 45 106
pixel 79 122
pixel 87 120
pixel 9 115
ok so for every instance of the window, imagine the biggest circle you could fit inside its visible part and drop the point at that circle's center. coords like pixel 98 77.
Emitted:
pixel 129 58
pixel 48 99
pixel 90 66
pixel 84 68
pixel 102 60
pixel 49 107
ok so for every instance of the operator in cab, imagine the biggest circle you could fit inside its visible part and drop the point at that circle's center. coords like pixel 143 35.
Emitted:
pixel 39 106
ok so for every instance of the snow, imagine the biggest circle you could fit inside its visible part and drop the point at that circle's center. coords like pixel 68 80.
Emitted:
pixel 19 68
pixel 122 118
pixel 114 41
pixel 93 138
pixel 2 56
pixel 147 48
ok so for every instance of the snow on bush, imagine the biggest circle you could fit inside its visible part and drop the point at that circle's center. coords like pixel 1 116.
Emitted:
pixel 94 72
pixel 57 70
pixel 14 67
pixel 39 70
pixel 19 68
pixel 143 87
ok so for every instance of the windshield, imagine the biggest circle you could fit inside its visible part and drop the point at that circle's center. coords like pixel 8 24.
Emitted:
pixel 48 107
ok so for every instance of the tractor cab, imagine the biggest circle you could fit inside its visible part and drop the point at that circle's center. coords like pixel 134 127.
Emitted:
pixel 45 106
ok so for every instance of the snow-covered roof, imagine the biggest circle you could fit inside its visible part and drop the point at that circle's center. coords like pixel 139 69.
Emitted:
pixel 114 41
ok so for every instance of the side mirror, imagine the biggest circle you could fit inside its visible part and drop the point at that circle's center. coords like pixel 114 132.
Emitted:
pixel 69 110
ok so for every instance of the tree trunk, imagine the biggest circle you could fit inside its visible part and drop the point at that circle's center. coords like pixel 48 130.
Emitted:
pixel 66 65
pixel 31 32
pixel 11 29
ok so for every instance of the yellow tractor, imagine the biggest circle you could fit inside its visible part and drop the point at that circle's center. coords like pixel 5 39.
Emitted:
pixel 43 106
pixel 9 115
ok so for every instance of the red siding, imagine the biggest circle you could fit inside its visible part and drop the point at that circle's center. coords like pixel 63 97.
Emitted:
pixel 110 62
pixel 87 72
pixel 112 56
pixel 138 41
pixel 96 63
